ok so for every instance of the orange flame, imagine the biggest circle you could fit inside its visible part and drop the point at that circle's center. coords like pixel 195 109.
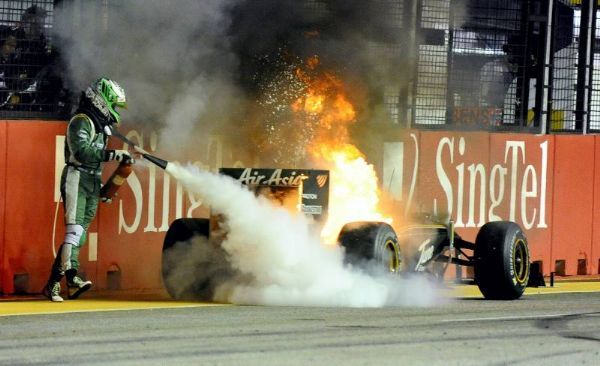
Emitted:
pixel 354 194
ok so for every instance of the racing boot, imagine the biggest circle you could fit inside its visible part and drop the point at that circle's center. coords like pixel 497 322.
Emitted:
pixel 77 286
pixel 52 288
pixel 52 291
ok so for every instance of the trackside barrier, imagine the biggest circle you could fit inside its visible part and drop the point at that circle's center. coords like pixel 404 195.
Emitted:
pixel 28 201
pixel 3 152
pixel 550 185
pixel 547 184
pixel 478 177
pixel 595 255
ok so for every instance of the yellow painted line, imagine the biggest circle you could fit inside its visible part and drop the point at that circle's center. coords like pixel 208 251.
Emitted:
pixel 559 288
pixel 11 308
pixel 37 306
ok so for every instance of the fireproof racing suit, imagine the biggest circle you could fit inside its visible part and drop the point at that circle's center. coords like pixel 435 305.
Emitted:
pixel 85 151
pixel 81 177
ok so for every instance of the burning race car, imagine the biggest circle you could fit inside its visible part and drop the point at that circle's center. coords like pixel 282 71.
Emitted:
pixel 499 256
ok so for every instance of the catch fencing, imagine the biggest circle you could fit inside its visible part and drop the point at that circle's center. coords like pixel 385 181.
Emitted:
pixel 31 85
pixel 496 65
pixel 527 66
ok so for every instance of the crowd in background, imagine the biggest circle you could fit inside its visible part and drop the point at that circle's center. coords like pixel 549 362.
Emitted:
pixel 29 71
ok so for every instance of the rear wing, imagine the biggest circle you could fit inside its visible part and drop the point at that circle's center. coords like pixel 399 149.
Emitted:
pixel 314 183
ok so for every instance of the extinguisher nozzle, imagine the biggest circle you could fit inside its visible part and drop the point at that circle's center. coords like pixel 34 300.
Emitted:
pixel 157 161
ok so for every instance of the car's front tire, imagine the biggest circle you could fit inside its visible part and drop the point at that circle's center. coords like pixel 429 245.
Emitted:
pixel 501 260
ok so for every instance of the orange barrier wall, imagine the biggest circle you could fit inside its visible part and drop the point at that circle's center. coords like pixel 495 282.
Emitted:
pixel 550 185
pixel 459 172
pixel 3 153
pixel 573 201
pixel 28 200
pixel 530 158
pixel 595 257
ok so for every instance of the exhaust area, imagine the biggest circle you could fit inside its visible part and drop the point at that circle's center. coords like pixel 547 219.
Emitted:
pixel 279 260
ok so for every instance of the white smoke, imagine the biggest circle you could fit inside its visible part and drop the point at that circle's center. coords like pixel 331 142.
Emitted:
pixel 179 62
pixel 281 261
pixel 172 58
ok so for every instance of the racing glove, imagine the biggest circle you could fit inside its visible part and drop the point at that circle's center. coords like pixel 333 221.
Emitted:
pixel 118 155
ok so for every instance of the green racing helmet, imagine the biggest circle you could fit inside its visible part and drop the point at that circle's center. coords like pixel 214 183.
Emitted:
pixel 107 95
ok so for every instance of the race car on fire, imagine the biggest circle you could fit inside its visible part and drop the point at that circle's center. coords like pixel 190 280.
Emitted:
pixel 499 256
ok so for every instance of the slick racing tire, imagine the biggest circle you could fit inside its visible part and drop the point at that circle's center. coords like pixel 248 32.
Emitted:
pixel 191 264
pixel 501 261
pixel 367 242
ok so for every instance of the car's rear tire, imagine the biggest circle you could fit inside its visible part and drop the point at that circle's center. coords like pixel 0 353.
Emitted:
pixel 190 262
pixel 501 260
pixel 366 242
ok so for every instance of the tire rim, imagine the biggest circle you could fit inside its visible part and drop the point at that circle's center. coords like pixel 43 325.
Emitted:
pixel 394 260
pixel 520 261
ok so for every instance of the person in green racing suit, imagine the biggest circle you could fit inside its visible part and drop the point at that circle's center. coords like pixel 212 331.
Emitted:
pixel 85 152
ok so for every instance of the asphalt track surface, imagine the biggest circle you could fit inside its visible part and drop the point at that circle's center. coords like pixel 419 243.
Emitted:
pixel 556 327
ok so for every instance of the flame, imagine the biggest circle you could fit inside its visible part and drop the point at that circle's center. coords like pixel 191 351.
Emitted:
pixel 314 103
pixel 354 194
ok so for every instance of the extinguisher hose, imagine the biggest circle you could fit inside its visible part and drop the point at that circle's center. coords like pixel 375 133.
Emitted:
pixel 161 163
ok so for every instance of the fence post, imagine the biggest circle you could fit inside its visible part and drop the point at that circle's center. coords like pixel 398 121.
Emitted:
pixel 546 87
pixel 590 70
pixel 450 60
pixel 522 95
pixel 584 63
pixel 411 20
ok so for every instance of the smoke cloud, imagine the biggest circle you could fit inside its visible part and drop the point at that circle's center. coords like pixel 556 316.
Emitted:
pixel 172 57
pixel 195 68
pixel 279 260
pixel 192 69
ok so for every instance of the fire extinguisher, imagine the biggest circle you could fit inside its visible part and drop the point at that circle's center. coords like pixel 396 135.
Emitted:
pixel 116 180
